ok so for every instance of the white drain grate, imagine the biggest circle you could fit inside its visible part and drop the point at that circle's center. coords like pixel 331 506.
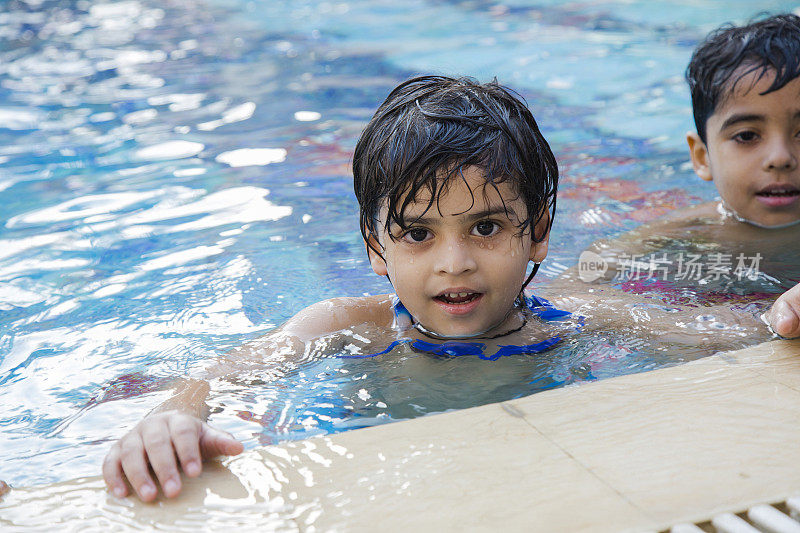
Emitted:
pixel 781 517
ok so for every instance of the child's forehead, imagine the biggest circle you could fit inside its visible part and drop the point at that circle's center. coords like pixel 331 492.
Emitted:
pixel 463 192
pixel 747 84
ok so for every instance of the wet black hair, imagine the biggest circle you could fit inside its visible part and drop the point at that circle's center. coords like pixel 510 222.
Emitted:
pixel 429 128
pixel 768 45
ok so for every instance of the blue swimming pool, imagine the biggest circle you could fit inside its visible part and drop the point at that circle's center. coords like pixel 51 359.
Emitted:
pixel 174 181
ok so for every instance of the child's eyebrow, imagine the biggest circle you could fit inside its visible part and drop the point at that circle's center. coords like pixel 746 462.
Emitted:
pixel 748 117
pixel 741 117
pixel 486 213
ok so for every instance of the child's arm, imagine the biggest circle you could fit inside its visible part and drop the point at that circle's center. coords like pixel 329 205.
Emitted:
pixel 784 315
pixel 716 327
pixel 178 428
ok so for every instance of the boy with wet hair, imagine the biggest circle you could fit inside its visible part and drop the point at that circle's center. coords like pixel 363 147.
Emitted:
pixel 745 90
pixel 745 87
pixel 432 138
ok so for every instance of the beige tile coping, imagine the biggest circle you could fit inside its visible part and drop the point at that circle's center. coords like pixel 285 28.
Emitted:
pixel 632 453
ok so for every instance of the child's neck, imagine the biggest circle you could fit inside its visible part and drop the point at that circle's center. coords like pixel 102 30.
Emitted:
pixel 726 211
pixel 514 321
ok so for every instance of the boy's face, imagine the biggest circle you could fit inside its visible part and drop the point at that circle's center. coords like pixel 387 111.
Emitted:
pixel 460 267
pixel 752 151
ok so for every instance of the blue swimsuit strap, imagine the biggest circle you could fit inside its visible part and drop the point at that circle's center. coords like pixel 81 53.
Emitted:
pixel 538 306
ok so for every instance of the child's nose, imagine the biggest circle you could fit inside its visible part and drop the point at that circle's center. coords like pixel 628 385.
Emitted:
pixel 782 155
pixel 455 257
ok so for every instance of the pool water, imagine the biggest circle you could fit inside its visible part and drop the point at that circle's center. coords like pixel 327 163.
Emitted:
pixel 175 181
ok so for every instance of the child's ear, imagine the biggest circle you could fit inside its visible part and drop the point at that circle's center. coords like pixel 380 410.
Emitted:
pixel 539 249
pixel 377 262
pixel 699 154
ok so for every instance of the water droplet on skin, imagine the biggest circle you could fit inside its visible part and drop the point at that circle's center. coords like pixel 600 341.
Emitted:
pixel 490 246
pixel 480 245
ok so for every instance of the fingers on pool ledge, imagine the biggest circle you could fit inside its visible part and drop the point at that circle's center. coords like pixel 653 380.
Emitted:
pixel 784 318
pixel 113 474
pixel 788 326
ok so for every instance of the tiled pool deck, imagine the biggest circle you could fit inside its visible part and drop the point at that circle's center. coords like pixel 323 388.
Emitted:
pixel 633 453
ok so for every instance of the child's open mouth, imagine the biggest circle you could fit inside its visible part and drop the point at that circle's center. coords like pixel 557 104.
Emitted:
pixel 457 297
pixel 458 302
pixel 778 195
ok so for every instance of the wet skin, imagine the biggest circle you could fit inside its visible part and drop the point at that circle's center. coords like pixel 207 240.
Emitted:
pixel 752 150
pixel 461 263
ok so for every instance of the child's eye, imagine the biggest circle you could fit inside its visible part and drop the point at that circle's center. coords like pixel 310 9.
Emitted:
pixel 485 228
pixel 416 235
pixel 745 136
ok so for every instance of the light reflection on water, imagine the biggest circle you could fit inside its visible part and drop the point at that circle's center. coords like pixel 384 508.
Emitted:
pixel 174 180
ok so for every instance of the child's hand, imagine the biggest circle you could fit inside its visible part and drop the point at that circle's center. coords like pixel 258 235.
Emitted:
pixel 155 442
pixel 784 315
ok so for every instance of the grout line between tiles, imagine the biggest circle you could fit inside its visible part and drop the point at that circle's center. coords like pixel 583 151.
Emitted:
pixel 775 380
pixel 514 410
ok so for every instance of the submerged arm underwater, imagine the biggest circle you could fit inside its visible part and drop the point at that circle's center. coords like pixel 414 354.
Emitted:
pixel 700 228
pixel 175 437
pixel 717 327
pixel 176 428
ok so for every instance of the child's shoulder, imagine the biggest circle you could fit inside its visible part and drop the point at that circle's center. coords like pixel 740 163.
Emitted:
pixel 336 314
